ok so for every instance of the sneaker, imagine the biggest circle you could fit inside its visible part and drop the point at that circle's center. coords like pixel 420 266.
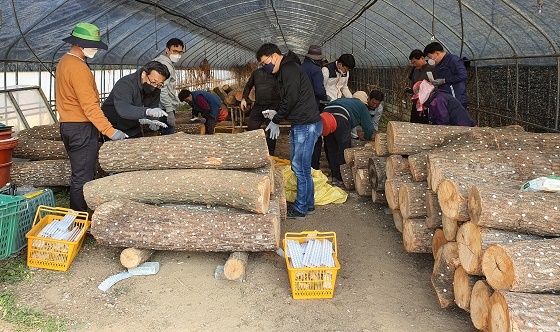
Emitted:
pixel 294 214
pixel 338 183
pixel 311 210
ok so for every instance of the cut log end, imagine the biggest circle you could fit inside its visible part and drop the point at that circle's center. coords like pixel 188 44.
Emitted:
pixel 497 266
pixel 133 257
pixel 449 199
pixel 480 304
pixel 236 265
pixel 470 247
pixel 498 319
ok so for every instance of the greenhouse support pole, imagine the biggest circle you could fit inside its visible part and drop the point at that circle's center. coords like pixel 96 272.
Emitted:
pixel 477 92
pixel 557 92
pixel 517 87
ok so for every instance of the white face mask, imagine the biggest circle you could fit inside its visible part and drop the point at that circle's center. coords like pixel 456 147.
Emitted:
pixel 174 57
pixel 89 52
pixel 431 62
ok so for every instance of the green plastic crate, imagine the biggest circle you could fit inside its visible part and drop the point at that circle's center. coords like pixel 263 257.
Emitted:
pixel 9 215
pixel 27 211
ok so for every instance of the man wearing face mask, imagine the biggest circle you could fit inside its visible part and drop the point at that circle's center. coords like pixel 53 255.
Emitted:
pixel 135 97
pixel 168 100
pixel 77 102
pixel 450 74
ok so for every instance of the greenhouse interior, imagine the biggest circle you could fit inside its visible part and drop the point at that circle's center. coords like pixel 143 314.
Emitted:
pixel 248 239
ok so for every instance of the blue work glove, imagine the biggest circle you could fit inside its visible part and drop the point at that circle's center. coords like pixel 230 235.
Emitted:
pixel 438 82
pixel 269 114
pixel 274 130
pixel 155 112
pixel 171 118
pixel 118 135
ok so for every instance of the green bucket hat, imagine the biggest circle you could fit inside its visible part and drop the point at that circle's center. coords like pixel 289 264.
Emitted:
pixel 86 35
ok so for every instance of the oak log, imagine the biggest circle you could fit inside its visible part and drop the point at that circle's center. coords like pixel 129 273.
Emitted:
pixel 279 194
pixel 396 166
pixel 220 93
pixel 417 238
pixel 438 241
pixel 510 208
pixel 347 176
pixel 362 183
pixel 378 196
pixel 132 257
pixel 397 219
pixel 392 187
pixel 480 304
pixel 190 128
pixel 462 288
pixel 361 158
pixel 49 132
pixel 450 227
pixel 412 199
pixel 225 151
pixel 42 173
pixel 473 241
pixel 381 145
pixel 39 149
pixel 349 154
pixel 447 260
pixel 376 170
pixel 126 223
pixel 230 99
pixel 523 266
pixel 236 266
pixel 511 311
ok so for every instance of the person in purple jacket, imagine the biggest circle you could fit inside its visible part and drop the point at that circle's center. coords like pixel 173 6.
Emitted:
pixel 450 74
pixel 442 108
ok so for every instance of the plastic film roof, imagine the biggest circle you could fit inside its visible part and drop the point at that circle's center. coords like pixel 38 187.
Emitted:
pixel 227 33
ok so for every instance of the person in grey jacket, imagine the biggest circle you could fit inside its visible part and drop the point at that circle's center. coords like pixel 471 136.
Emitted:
pixel 134 97
pixel 168 100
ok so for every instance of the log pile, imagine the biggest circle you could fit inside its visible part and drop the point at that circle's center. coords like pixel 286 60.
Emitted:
pixel 455 192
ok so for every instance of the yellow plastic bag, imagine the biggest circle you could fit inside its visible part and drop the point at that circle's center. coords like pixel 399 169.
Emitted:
pixel 324 192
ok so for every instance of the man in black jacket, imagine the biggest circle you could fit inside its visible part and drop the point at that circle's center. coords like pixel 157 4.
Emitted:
pixel 136 96
pixel 266 98
pixel 297 106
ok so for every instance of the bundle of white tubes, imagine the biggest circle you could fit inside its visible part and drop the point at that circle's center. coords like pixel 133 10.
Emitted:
pixel 312 253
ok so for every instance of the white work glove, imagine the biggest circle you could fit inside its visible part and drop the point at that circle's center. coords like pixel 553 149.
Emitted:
pixel 243 104
pixel 269 114
pixel 171 118
pixel 118 135
pixel 201 120
pixel 438 82
pixel 274 130
pixel 155 112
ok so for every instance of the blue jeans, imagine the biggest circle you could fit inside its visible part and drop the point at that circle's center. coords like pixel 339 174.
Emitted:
pixel 166 131
pixel 302 141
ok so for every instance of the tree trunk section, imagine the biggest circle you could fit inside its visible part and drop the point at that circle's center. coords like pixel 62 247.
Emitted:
pixel 447 260
pixel 523 266
pixel 279 193
pixel 362 157
pixel 376 170
pixel 397 219
pixel 349 154
pixel 480 304
pixel 160 228
pixel 417 238
pixel 438 241
pixel 462 288
pixel 48 132
pixel 432 204
pixel 227 151
pixel 511 311
pixel 450 227
pixel 412 199
pixel 42 173
pixel 453 198
pixel 362 183
pixel 236 266
pixel 509 208
pixel 39 149
pixel 473 241
pixel 347 176
pixel 381 145
pixel 220 93
pixel 132 257
pixel 378 196
pixel 230 100
pixel 392 188
pixel 396 166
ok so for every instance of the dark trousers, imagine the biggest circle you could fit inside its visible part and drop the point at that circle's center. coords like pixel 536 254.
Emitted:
pixel 335 144
pixel 209 125
pixel 166 131
pixel 316 157
pixel 82 144
pixel 415 116
pixel 256 120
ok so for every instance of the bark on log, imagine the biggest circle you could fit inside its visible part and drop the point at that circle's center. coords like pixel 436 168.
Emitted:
pixel 511 311
pixel 279 193
pixel 524 266
pixel 450 227
pixel 432 204
pixel 237 189
pixel 447 260
pixel 190 128
pixel 434 222
pixel 509 208
pixel 392 188
pixel 347 176
pixel 227 151
pixel 349 154
pixel 49 132
pixel 397 219
pixel 42 173
pixel 462 288
pixel 412 199
pixel 39 149
pixel 480 304
pixel 236 266
pixel 220 93
pixel 381 145
pixel 132 257
pixel 160 228
pixel 376 170
pixel 230 99
pixel 362 157
pixel 378 196
pixel 417 238
pixel 473 241
pixel 362 183
pixel 438 241
pixel 396 166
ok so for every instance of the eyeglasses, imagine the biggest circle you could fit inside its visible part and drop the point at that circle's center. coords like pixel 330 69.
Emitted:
pixel 154 83
pixel 176 52
pixel 263 63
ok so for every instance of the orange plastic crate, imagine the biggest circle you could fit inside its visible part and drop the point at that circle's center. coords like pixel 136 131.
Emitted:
pixel 47 253
pixel 312 283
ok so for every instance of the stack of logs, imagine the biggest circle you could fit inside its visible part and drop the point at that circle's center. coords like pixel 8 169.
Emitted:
pixel 188 192
pixel 232 96
pixel 455 192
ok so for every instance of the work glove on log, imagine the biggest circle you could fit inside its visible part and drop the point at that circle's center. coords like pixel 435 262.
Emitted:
pixel 118 135
pixel 153 124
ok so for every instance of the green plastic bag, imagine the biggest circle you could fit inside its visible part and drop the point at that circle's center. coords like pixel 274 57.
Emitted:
pixel 324 192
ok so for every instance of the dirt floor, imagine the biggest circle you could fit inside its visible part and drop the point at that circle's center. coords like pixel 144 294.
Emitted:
pixel 379 287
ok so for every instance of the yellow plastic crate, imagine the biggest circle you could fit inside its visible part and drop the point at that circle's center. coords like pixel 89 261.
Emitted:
pixel 46 253
pixel 312 283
